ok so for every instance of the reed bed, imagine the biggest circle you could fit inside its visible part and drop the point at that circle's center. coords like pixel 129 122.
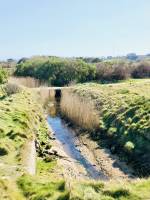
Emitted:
pixel 27 82
pixel 79 111
pixel 46 95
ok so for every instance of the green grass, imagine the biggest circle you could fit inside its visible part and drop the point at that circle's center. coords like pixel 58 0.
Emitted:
pixel 45 184
pixel 138 190
pixel 39 188
pixel 22 119
pixel 9 190
pixel 124 118
pixel 19 117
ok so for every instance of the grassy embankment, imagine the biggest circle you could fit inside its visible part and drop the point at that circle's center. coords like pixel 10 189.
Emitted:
pixel 22 121
pixel 119 114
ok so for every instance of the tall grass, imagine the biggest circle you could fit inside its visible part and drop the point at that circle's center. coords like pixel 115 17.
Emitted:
pixel 45 95
pixel 12 88
pixel 79 111
pixel 27 81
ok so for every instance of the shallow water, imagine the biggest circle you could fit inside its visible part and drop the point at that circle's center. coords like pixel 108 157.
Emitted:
pixel 66 136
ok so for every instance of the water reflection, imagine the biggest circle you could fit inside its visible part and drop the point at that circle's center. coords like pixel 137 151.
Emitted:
pixel 66 137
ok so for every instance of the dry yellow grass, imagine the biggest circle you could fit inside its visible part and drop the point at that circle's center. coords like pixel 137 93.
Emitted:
pixel 26 81
pixel 80 111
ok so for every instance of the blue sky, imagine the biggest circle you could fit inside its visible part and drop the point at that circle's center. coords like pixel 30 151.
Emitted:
pixel 74 27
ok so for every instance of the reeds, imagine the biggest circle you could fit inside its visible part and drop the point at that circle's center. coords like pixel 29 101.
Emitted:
pixel 79 110
pixel 46 94
pixel 27 81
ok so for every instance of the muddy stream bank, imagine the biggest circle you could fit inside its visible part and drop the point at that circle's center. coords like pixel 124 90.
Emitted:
pixel 79 156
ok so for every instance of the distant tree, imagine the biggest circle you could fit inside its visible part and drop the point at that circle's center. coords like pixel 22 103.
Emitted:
pixel 57 71
pixel 131 56
pixel 96 60
pixel 109 57
pixel 22 60
pixel 10 60
pixel 141 70
pixel 112 71
pixel 120 71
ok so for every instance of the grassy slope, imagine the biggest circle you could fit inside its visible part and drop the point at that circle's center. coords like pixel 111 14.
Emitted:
pixel 46 184
pixel 124 118
pixel 138 190
pixel 21 120
pixel 19 123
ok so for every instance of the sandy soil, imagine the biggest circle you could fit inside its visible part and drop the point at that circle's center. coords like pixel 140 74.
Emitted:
pixel 101 159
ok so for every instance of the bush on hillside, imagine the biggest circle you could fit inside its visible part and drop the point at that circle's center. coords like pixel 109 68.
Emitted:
pixel 107 71
pixel 56 71
pixel 63 71
pixel 12 88
pixel 3 75
pixel 141 70
pixel 120 72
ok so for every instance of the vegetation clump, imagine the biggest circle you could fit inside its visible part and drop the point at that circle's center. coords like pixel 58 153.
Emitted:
pixel 63 71
pixel 22 121
pixel 3 151
pixel 138 190
pixel 3 75
pixel 56 71
pixel 141 70
pixel 38 188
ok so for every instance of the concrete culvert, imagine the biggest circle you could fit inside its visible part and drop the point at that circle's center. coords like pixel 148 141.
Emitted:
pixel 57 93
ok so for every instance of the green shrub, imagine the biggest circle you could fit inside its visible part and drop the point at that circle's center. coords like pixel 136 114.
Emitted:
pixel 3 151
pixel 110 71
pixel 129 146
pixel 3 75
pixel 111 131
pixel 141 70
pixel 56 71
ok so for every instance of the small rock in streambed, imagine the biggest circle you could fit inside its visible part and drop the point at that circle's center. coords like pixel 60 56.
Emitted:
pixel 48 146
pixel 52 137
pixel 37 146
pixel 51 152
pixel 43 143
pixel 85 144
pixel 55 152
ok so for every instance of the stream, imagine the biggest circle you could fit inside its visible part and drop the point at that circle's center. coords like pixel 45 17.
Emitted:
pixel 67 138
pixel 85 158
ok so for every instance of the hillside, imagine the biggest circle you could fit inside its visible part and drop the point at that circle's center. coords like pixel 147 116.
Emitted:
pixel 23 121
pixel 22 124
pixel 120 114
